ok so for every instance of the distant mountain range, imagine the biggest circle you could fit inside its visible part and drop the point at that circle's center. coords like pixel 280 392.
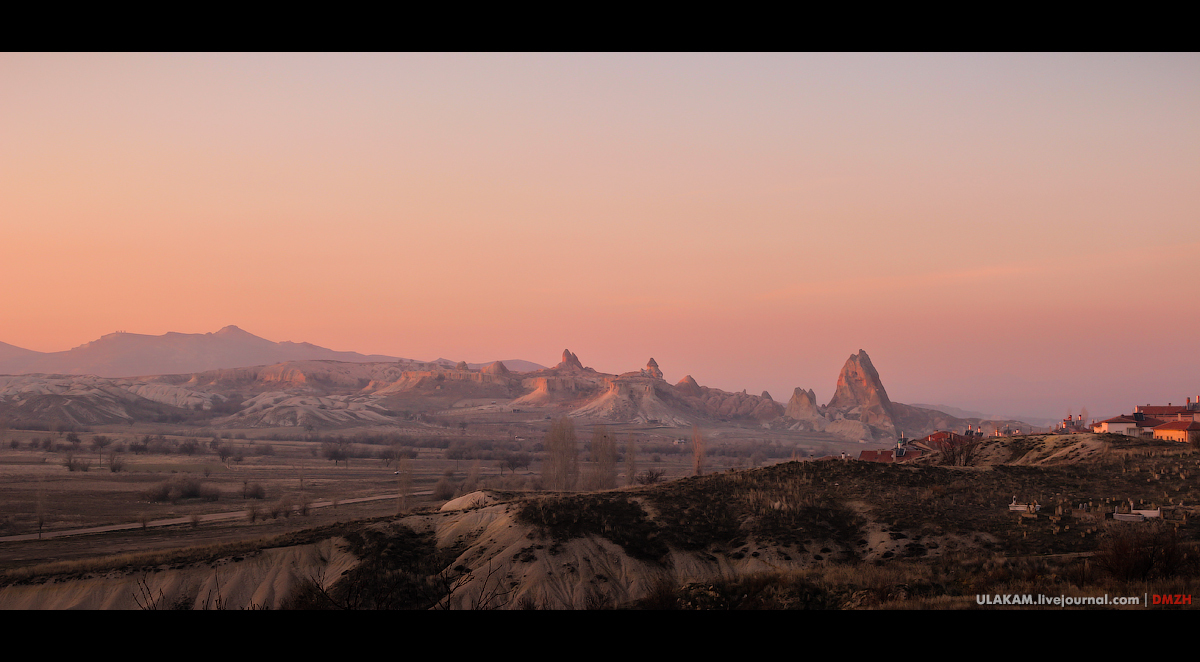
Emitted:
pixel 243 380
pixel 268 387
pixel 135 354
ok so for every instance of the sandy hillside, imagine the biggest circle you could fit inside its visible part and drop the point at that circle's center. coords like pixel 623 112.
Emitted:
pixel 258 581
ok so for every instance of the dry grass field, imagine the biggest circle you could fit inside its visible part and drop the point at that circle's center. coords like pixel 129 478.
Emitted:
pixel 265 477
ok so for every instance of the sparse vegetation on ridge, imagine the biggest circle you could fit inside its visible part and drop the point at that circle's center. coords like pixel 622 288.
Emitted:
pixel 854 535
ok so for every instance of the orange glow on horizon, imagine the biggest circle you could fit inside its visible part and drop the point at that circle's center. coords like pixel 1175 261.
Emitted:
pixel 983 225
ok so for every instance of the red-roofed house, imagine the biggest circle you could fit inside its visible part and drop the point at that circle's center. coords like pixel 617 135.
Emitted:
pixel 940 439
pixel 1171 412
pixel 1187 432
pixel 899 454
pixel 1134 425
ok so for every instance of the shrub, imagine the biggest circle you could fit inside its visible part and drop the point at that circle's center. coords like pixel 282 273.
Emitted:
pixel 443 490
pixel 610 515
pixel 182 488
pixel 1137 552
pixel 73 464
pixel 651 476
pixel 283 507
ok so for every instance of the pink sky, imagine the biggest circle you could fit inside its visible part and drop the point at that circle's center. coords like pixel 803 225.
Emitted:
pixel 1006 233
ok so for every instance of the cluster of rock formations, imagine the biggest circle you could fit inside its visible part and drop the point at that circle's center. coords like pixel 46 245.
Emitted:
pixel 327 393
pixel 859 409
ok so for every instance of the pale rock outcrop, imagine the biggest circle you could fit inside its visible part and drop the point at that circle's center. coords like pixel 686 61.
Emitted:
pixel 803 405
pixel 496 368
pixel 570 361
pixel 767 409
pixel 652 369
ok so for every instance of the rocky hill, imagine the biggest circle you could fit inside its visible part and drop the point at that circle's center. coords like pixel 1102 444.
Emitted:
pixel 861 410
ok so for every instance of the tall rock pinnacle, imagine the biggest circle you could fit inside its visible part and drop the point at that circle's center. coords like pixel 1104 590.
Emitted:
pixel 803 405
pixel 569 360
pixel 859 386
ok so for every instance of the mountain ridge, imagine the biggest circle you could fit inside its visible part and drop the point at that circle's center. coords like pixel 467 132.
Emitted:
pixel 126 355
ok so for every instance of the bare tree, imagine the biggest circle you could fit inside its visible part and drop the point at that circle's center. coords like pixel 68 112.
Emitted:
pixel 403 484
pixel 961 454
pixel 560 471
pixel 338 452
pixel 99 443
pixel 602 471
pixel 41 506
pixel 472 482
pixel 515 460
pixel 630 461
pixel 699 461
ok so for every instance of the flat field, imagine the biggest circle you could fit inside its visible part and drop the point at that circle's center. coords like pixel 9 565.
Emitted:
pixel 269 481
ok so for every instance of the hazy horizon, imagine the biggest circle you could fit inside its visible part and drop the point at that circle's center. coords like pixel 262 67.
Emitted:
pixel 1006 233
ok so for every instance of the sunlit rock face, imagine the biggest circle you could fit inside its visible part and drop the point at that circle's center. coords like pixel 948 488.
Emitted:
pixel 688 387
pixel 859 391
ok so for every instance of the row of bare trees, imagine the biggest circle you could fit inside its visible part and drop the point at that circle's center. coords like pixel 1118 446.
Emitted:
pixel 561 469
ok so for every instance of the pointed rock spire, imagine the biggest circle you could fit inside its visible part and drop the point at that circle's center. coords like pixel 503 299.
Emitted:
pixel 803 405
pixel 688 386
pixel 569 360
pixel 859 386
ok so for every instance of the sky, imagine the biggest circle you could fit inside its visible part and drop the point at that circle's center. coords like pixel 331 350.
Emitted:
pixel 1005 233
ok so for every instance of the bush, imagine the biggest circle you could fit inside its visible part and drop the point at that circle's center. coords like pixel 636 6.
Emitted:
pixel 73 464
pixel 444 490
pixel 1137 552
pixel 650 476
pixel 209 492
pixel 182 488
